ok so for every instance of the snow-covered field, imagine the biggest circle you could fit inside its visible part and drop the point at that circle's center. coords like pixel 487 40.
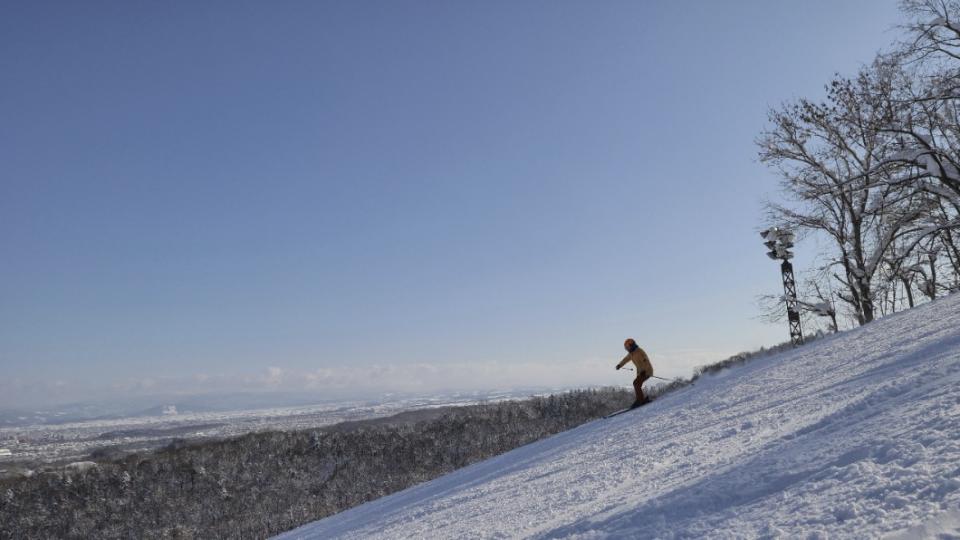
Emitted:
pixel 854 436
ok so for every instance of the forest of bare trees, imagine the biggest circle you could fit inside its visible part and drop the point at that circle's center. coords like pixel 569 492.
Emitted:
pixel 872 172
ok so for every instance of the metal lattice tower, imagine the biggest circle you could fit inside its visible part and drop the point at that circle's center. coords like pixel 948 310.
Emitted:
pixel 790 297
pixel 779 241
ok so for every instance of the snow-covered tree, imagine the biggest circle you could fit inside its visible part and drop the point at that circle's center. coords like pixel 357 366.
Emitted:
pixel 828 155
pixel 924 106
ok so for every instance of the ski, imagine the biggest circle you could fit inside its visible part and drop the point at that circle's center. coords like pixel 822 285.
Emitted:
pixel 628 409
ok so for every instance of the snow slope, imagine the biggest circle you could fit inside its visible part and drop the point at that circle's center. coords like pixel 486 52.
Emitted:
pixel 856 435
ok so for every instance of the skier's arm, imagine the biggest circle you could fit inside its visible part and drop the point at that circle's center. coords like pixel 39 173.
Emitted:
pixel 624 361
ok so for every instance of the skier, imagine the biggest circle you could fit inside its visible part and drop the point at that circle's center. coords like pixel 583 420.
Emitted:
pixel 644 369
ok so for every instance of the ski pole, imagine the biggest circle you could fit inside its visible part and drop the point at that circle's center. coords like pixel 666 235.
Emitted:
pixel 652 376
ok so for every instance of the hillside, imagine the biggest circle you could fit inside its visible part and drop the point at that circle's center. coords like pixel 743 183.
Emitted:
pixel 856 435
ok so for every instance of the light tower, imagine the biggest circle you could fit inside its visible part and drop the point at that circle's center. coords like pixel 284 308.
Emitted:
pixel 779 241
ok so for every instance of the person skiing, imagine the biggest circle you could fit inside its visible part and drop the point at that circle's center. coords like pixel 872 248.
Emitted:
pixel 644 369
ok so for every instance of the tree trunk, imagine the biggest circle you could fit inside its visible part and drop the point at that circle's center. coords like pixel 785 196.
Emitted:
pixel 866 303
pixel 906 287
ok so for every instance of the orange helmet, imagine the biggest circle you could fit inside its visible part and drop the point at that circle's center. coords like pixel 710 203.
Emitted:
pixel 629 344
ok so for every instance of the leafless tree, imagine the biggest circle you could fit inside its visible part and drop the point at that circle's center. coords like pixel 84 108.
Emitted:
pixel 828 155
pixel 924 104
pixel 815 298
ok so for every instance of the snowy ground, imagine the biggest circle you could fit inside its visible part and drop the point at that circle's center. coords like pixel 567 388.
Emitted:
pixel 855 436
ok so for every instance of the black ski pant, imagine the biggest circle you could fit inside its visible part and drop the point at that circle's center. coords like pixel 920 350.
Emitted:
pixel 638 385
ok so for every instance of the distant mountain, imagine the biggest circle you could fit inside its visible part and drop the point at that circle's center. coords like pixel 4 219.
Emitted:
pixel 166 405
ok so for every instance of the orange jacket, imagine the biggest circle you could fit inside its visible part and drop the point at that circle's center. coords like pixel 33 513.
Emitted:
pixel 640 360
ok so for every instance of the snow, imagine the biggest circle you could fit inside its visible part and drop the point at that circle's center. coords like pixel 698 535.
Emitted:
pixel 940 21
pixel 945 526
pixel 933 162
pixel 80 466
pixel 939 167
pixel 944 192
pixel 856 435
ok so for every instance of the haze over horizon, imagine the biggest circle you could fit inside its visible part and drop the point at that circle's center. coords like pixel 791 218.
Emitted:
pixel 375 197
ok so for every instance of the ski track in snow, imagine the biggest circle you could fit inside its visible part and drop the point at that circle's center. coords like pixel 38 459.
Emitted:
pixel 856 435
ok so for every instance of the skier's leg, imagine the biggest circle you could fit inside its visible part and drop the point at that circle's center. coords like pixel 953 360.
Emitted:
pixel 638 388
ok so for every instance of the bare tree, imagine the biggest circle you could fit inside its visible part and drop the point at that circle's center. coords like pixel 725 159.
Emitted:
pixel 815 300
pixel 828 155
pixel 924 104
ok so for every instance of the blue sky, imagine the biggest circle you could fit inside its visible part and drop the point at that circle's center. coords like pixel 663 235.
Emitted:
pixel 329 196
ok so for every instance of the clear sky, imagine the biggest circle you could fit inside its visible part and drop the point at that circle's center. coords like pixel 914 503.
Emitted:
pixel 351 196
